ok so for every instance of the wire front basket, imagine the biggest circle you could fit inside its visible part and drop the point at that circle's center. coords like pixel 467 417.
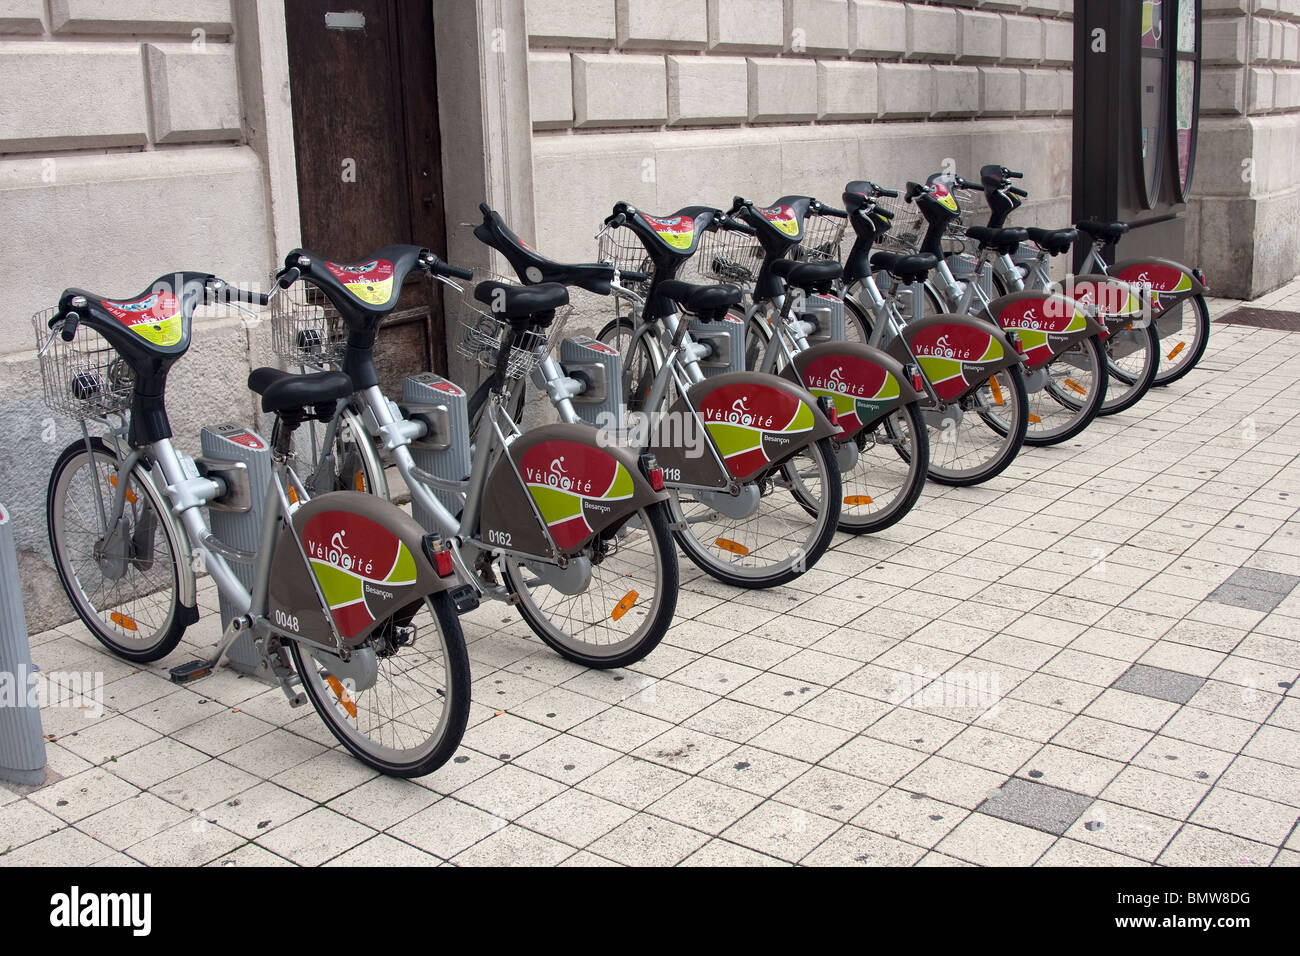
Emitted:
pixel 726 256
pixel 822 237
pixel 306 329
pixel 85 378
pixel 624 251
pixel 483 334
pixel 906 229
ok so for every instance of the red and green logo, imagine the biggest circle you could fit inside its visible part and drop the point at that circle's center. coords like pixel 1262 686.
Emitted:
pixel 574 487
pixel 859 389
pixel 783 218
pixel 955 357
pixel 155 318
pixel 361 567
pixel 678 232
pixel 371 282
pixel 754 424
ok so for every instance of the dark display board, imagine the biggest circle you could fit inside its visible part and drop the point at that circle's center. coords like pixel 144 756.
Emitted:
pixel 1136 96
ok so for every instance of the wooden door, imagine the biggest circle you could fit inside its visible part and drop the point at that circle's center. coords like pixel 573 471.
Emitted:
pixel 365 118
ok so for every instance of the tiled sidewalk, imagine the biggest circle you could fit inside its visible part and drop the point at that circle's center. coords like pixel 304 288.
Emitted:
pixel 1092 660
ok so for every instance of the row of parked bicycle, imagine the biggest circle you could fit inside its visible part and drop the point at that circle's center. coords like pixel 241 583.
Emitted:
pixel 749 396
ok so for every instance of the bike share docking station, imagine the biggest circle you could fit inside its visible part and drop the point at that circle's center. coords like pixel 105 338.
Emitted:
pixel 444 451
pixel 242 459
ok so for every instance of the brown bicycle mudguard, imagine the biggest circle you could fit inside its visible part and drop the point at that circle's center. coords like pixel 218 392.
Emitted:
pixel 957 353
pixel 753 419
pixel 1170 283
pixel 365 555
pixel 559 487
pixel 1047 324
pixel 863 383
pixel 1116 302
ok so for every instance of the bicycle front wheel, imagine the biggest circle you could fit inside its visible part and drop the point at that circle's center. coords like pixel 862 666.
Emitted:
pixel 776 529
pixel 975 439
pixel 612 604
pixel 401 702
pixel 123 575
pixel 343 458
pixel 1184 333
pixel 1071 396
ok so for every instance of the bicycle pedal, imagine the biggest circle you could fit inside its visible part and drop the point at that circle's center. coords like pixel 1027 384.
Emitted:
pixel 465 598
pixel 191 671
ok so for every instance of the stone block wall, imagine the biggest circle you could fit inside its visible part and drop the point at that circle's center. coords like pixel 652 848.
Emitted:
pixel 123 156
pixel 666 103
pixel 1244 231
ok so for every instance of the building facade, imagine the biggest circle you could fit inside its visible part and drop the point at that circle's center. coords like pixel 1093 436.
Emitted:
pixel 138 138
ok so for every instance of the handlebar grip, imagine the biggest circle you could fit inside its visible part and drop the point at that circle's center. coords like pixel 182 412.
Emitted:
pixel 735 225
pixel 1017 192
pixel 890 193
pixel 70 323
pixel 437 267
pixel 244 295
pixel 632 275
pixel 878 211
pixel 826 210
pixel 288 277
pixel 1011 174
pixel 616 220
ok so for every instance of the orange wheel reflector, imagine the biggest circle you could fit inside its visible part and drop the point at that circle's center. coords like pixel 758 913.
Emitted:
pixel 293 495
pixel 1177 348
pixel 342 695
pixel 1034 419
pixel 359 481
pixel 124 622
pixel 130 495
pixel 857 499
pixel 735 547
pixel 1075 386
pixel 625 605
pixel 996 389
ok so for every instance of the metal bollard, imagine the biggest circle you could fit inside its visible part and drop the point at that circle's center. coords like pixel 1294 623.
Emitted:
pixel 22 745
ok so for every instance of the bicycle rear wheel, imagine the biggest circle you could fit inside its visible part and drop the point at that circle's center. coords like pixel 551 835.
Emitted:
pixel 978 437
pixel 614 602
pixel 1183 345
pixel 888 474
pixel 124 582
pixel 401 703
pixel 776 529
pixel 1132 361
pixel 1071 396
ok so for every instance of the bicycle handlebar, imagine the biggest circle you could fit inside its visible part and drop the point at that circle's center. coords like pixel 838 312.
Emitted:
pixel 1017 192
pixel 890 193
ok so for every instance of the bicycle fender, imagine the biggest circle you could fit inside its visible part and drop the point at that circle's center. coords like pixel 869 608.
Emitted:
pixel 753 420
pixel 1118 304
pixel 558 488
pixel 863 383
pixel 1046 324
pixel 1169 282
pixel 956 352
pixel 366 556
